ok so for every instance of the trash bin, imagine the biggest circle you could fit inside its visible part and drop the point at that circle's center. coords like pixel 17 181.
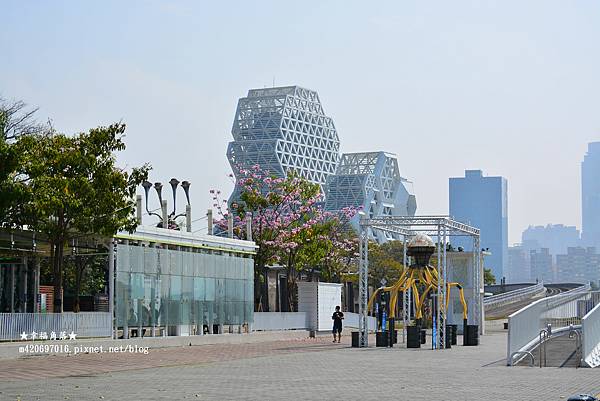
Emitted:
pixel 413 337
pixel 471 336
pixel 381 338
pixel 451 333
pixel 448 336
pixel 355 337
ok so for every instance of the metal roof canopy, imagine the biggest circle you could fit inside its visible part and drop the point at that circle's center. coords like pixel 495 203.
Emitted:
pixel 412 225
pixel 440 227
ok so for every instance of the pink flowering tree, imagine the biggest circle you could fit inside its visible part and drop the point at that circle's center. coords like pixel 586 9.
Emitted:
pixel 288 224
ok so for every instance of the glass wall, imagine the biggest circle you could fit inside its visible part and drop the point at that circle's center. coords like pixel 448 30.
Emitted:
pixel 165 287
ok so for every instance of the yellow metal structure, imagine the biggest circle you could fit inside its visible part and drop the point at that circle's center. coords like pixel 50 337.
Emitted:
pixel 422 280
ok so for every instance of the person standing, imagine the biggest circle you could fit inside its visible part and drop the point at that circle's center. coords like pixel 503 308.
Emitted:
pixel 337 323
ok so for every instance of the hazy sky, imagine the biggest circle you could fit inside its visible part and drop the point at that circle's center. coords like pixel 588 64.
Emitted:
pixel 509 87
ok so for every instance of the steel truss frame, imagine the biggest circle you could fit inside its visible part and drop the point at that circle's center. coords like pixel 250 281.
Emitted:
pixel 441 227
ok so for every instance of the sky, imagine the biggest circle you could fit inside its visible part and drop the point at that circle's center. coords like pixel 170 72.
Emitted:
pixel 508 87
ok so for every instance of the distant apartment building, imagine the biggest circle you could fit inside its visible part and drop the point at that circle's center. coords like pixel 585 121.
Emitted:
pixel 556 237
pixel 542 268
pixel 578 265
pixel 518 268
pixel 482 202
pixel 590 196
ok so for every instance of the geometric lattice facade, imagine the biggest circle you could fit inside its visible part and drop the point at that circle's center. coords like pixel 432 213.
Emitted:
pixel 370 180
pixel 282 130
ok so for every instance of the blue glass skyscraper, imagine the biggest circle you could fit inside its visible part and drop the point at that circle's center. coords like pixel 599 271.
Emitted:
pixel 482 202
pixel 590 196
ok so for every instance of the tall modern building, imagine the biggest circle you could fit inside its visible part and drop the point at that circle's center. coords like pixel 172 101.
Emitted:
pixel 282 130
pixel 542 267
pixel 518 266
pixel 482 202
pixel 371 181
pixel 590 196
pixel 578 265
pixel 556 237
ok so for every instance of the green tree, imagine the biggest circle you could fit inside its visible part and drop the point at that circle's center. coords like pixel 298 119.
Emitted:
pixel 289 225
pixel 16 120
pixel 488 277
pixel 75 189
pixel 385 262
pixel 85 274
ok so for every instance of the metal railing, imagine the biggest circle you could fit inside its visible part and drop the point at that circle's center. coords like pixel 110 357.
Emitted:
pixel 500 300
pixel 560 311
pixel 544 337
pixel 590 329
pixel 525 353
pixel 83 324
pixel 573 332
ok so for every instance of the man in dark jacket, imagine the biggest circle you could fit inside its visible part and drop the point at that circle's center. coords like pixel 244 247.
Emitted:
pixel 337 323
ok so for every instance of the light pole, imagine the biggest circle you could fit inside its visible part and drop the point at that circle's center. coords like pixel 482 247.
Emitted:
pixel 168 221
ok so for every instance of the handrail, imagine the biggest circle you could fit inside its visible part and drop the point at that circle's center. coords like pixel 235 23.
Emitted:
pixel 525 324
pixel 512 356
pixel 513 296
pixel 590 329
pixel 578 344
pixel 514 292
pixel 544 337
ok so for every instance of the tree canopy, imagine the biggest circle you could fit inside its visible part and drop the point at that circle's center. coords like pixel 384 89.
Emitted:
pixel 72 188
pixel 289 225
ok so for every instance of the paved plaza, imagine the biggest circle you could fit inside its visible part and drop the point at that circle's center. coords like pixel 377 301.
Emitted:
pixel 292 369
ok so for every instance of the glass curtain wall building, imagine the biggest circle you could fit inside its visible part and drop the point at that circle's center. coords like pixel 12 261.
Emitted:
pixel 284 129
pixel 372 181
pixel 182 284
pixel 590 196
pixel 483 202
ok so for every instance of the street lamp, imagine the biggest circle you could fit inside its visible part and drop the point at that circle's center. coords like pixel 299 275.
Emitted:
pixel 171 217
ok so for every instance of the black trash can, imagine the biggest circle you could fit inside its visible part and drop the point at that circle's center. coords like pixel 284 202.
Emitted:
pixel 423 336
pixel 471 336
pixel 413 337
pixel 448 339
pixel 381 338
pixel 450 335
pixel 451 332
pixel 355 337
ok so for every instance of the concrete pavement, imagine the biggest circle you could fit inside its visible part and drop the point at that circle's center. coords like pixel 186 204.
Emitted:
pixel 306 369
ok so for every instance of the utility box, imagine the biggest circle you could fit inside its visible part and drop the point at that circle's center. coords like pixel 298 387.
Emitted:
pixel 319 300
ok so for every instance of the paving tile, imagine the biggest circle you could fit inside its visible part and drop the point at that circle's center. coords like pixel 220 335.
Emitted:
pixel 293 370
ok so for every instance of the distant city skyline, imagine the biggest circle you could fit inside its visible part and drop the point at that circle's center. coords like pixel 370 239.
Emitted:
pixel 447 86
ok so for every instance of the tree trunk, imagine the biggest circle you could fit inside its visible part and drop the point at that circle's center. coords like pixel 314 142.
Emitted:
pixel 291 282
pixel 57 264
pixel 265 290
pixel 261 288
pixel 79 267
pixel 291 290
